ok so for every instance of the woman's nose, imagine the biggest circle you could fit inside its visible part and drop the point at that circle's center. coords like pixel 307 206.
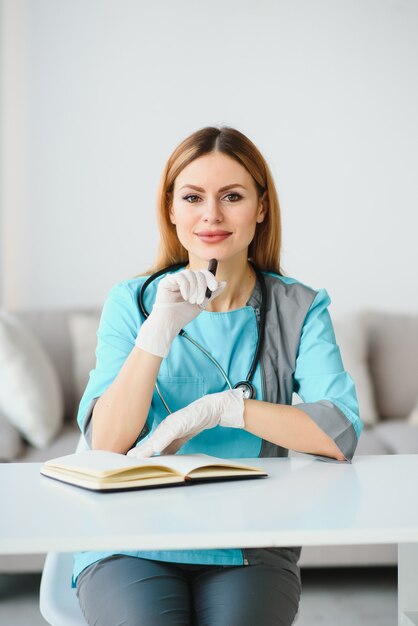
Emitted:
pixel 212 210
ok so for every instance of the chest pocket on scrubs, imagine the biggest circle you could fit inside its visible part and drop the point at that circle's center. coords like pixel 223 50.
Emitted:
pixel 178 392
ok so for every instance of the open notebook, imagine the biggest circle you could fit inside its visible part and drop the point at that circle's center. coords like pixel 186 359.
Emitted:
pixel 100 470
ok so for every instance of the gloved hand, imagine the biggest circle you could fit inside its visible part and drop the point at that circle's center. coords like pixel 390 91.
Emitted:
pixel 180 298
pixel 225 408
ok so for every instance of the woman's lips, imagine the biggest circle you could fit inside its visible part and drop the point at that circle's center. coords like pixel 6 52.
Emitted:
pixel 215 237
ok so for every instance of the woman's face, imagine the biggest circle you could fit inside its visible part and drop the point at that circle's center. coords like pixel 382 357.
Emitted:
pixel 215 208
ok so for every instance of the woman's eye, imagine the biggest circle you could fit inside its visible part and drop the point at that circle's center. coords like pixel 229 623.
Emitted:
pixel 191 198
pixel 233 197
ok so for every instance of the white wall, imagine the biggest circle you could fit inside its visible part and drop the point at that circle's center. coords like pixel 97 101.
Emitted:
pixel 96 94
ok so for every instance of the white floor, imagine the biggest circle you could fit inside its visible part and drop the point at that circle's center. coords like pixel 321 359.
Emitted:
pixel 330 597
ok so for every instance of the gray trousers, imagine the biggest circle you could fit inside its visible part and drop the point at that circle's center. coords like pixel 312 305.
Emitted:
pixel 130 591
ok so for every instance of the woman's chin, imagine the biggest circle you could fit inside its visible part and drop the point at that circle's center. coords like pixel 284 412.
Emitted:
pixel 205 253
pixel 206 257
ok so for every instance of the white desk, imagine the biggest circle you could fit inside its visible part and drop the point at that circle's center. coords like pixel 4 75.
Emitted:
pixel 302 502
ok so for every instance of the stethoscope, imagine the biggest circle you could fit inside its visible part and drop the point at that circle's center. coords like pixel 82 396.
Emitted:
pixel 247 387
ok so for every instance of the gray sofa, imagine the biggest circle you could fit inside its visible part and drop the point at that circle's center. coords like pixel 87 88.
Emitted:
pixel 385 357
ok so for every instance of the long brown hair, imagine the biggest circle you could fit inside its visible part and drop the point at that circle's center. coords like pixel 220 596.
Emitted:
pixel 265 248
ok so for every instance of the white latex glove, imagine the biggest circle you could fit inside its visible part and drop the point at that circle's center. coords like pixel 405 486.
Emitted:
pixel 225 408
pixel 180 298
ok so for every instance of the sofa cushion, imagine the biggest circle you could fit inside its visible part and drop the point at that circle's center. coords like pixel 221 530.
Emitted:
pixel 350 333
pixel 30 393
pixel 83 328
pixel 413 416
pixel 65 443
pixel 370 443
pixel 393 360
pixel 399 437
pixel 11 444
pixel 50 326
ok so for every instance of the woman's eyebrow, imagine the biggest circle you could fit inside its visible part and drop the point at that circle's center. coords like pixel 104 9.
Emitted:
pixel 221 188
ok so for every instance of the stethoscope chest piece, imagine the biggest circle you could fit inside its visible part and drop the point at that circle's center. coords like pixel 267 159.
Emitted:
pixel 247 388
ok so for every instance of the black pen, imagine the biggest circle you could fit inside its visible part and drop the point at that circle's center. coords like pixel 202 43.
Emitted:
pixel 212 267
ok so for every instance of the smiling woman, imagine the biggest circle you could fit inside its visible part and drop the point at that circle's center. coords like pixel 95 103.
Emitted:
pixel 247 174
pixel 217 200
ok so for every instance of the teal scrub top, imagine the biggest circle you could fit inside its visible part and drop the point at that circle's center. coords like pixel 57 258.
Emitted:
pixel 187 374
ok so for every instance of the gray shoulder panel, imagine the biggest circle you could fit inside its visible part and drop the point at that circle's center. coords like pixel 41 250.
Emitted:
pixel 286 309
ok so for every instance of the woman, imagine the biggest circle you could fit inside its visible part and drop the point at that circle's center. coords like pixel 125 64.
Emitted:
pixel 154 391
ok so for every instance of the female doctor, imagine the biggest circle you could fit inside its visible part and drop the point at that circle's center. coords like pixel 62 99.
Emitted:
pixel 221 386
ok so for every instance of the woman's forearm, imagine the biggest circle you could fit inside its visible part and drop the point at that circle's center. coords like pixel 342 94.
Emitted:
pixel 120 413
pixel 289 427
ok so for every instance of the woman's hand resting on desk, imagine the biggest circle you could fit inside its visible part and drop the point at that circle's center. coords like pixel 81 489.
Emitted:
pixel 224 409
pixel 180 298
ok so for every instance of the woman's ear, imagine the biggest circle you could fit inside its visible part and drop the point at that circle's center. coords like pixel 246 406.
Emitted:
pixel 171 214
pixel 262 207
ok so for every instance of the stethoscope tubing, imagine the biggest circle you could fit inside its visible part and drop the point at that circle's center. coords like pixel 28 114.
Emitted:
pixel 216 364
pixel 246 385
